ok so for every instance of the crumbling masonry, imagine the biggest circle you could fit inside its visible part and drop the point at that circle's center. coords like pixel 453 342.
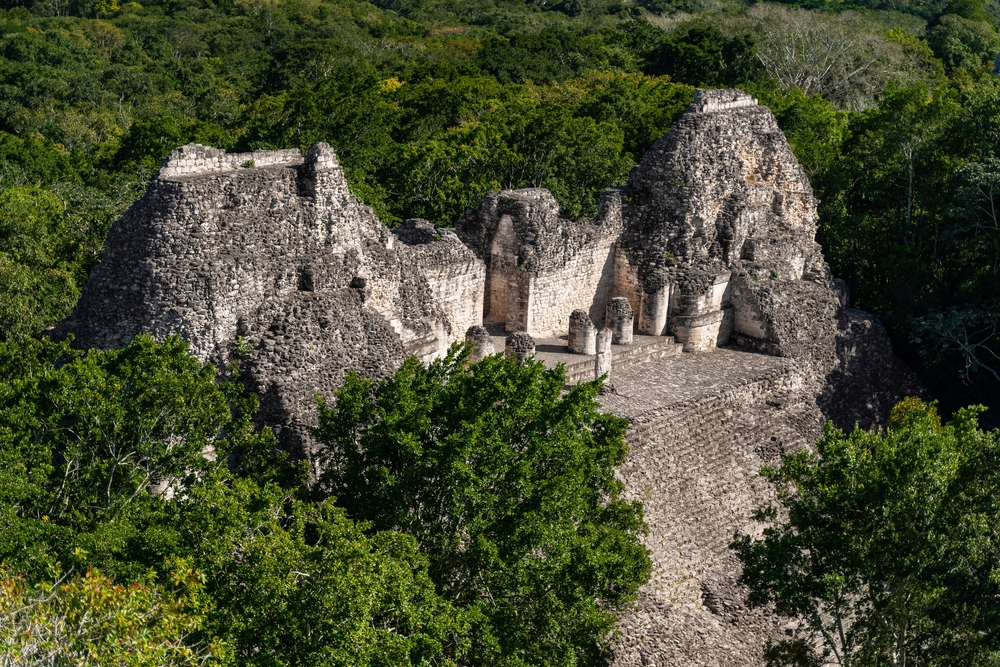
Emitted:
pixel 710 245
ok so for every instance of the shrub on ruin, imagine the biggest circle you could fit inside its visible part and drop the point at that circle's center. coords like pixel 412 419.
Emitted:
pixel 508 486
pixel 883 546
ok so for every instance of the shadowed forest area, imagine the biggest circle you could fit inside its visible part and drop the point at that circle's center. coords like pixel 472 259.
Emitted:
pixel 890 106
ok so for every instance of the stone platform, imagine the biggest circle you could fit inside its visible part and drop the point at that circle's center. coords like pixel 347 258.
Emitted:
pixel 552 351
pixel 702 427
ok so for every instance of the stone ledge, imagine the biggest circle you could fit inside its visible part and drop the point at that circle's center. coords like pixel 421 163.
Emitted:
pixel 196 159
pixel 706 101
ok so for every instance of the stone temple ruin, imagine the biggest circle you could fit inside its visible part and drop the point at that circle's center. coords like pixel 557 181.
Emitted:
pixel 709 249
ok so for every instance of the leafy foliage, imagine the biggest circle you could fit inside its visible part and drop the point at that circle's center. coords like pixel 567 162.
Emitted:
pixel 885 546
pixel 143 463
pixel 906 218
pixel 297 582
pixel 88 619
pixel 507 486
pixel 699 54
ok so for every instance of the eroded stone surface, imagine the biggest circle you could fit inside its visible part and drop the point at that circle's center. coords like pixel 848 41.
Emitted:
pixel 284 256
pixel 712 243
pixel 702 426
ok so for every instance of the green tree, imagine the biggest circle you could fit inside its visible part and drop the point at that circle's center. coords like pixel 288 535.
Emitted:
pixel 89 619
pixel 699 54
pixel 139 461
pixel 645 108
pixel 883 545
pixel 89 441
pixel 508 487
pixel 964 44
pixel 297 583
pixel 551 55
pixel 39 281
pixel 883 198
pixel 815 129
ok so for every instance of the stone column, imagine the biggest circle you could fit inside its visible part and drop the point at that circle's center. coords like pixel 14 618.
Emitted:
pixel 582 334
pixel 619 319
pixel 482 343
pixel 520 297
pixel 696 319
pixel 602 362
pixel 520 346
pixel 655 308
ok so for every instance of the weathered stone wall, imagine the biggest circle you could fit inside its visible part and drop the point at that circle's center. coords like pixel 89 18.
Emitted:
pixel 540 266
pixel 455 276
pixel 285 257
pixel 585 282
pixel 195 159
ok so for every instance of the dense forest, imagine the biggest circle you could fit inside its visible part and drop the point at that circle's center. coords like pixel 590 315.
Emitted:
pixel 890 105
pixel 892 108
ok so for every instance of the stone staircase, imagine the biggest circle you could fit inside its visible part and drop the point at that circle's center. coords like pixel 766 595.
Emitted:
pixel 580 367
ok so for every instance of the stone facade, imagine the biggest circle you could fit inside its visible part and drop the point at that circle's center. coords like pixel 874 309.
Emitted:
pixel 711 243
pixel 540 266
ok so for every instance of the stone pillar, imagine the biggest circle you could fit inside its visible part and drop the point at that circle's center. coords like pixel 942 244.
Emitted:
pixel 602 362
pixel 520 297
pixel 619 319
pixel 520 346
pixel 582 334
pixel 482 343
pixel 655 310
pixel 696 319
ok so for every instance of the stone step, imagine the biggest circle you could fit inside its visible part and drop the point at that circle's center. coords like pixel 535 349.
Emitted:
pixel 643 349
pixel 580 368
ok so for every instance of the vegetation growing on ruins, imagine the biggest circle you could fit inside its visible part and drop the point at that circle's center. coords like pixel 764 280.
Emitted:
pixel 490 533
pixel 885 549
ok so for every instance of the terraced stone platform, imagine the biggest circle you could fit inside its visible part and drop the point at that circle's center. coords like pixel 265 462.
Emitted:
pixel 702 426
pixel 580 367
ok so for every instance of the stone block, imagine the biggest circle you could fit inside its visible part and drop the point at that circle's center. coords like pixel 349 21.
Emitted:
pixel 698 332
pixel 602 361
pixel 655 309
pixel 482 343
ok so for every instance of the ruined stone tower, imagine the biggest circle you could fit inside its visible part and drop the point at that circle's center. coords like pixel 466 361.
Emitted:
pixel 272 248
pixel 711 244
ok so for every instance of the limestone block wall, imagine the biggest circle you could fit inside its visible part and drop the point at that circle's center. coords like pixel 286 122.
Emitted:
pixel 584 282
pixel 195 159
pixel 455 276
pixel 720 100
pixel 540 266
pixel 697 310
pixel 626 281
pixel 458 289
